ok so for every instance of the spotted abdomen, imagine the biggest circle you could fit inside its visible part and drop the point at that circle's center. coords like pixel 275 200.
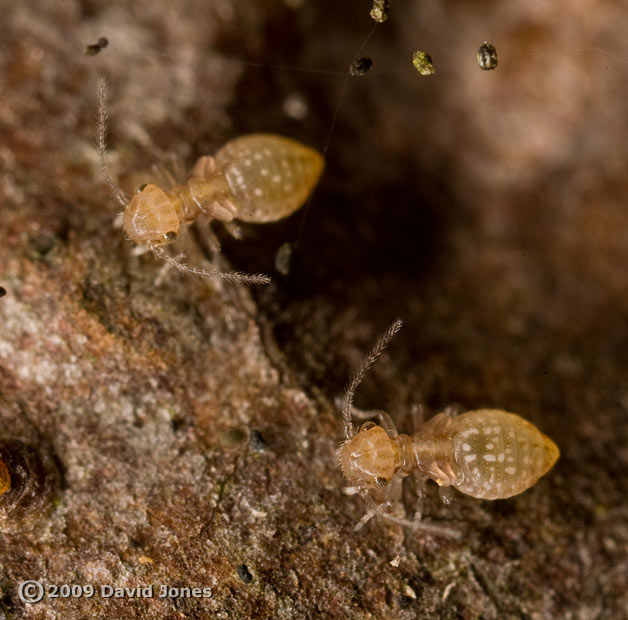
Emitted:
pixel 498 454
pixel 270 176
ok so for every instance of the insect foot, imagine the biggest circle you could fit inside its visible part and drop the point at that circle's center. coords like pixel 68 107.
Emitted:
pixel 255 178
pixel 488 453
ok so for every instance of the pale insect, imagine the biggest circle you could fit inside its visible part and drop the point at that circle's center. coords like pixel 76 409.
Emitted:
pixel 488 454
pixel 254 178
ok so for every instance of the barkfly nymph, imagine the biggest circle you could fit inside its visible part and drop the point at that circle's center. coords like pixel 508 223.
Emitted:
pixel 255 178
pixel 488 454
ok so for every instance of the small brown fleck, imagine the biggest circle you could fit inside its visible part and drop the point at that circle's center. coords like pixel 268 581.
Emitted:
pixel 244 574
pixel 487 57
pixel 283 258
pixel 257 441
pixel 380 10
pixel 423 63
pixel 95 48
pixel 360 66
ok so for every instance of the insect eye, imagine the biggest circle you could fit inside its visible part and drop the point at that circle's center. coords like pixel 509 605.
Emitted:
pixel 381 482
pixel 367 425
pixel 141 187
pixel 170 236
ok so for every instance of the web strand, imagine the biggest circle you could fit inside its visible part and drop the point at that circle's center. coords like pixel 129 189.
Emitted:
pixel 332 127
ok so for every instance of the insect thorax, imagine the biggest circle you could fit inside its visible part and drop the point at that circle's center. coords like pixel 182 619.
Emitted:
pixel 433 457
pixel 210 195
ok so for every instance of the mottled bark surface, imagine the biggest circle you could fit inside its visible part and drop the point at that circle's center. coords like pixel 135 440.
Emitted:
pixel 486 209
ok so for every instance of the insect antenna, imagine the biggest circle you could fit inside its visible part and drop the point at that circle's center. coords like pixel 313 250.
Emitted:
pixel 101 129
pixel 229 276
pixel 368 361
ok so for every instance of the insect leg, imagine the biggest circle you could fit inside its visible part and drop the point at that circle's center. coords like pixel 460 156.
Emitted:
pixel 436 425
pixel 374 509
pixel 387 424
pixel 380 500
pixel 211 239
pixel 162 273
pixel 385 420
pixel 419 488
pixel 165 268
pixel 165 173
pixel 452 410
pixel 416 525
pixel 234 230
pixel 223 210
pixel 204 167
pixel 430 528
pixel 366 518
pixel 361 415
pixel 418 415
pixel 351 490
pixel 438 475
pixel 446 495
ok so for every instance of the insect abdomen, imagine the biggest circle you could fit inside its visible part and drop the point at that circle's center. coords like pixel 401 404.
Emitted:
pixel 498 454
pixel 270 176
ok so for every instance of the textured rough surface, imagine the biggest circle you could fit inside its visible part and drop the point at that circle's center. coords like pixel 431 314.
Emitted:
pixel 486 209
